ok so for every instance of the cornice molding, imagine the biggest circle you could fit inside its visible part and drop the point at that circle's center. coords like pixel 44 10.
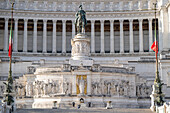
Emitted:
pixel 72 6
pixel 71 15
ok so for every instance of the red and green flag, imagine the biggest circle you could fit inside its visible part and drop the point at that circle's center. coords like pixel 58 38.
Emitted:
pixel 154 46
pixel 10 42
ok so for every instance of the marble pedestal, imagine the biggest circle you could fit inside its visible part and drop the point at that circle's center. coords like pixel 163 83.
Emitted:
pixel 80 47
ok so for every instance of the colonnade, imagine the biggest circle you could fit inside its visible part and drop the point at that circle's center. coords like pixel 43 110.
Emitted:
pixel 102 37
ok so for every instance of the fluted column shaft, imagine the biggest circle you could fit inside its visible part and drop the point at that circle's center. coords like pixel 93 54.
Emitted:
pixel 150 34
pixel 111 36
pixel 35 36
pixel 25 36
pixel 131 35
pixel 92 37
pixel 15 47
pixel 64 36
pixel 121 37
pixel 54 36
pixel 6 35
pixel 73 29
pixel 44 36
pixel 140 35
pixel 102 35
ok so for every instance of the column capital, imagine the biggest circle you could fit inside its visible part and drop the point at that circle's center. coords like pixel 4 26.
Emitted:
pixel 6 19
pixel 35 20
pixel 63 21
pixel 45 20
pixel 121 20
pixel 150 19
pixel 54 21
pixel 73 21
pixel 112 21
pixel 16 19
pixel 25 20
pixel 92 21
pixel 140 19
pixel 101 21
pixel 130 20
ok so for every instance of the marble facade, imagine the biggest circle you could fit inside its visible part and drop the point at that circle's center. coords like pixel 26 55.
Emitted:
pixel 77 79
pixel 119 65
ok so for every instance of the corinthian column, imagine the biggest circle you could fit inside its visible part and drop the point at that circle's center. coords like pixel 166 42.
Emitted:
pixel 6 35
pixel 16 36
pixel 131 35
pixel 64 36
pixel 35 36
pixel 150 34
pixel 92 37
pixel 140 36
pixel 121 37
pixel 44 36
pixel 54 36
pixel 25 36
pixel 102 35
pixel 73 29
pixel 111 36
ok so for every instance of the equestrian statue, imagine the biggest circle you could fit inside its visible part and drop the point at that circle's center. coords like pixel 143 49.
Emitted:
pixel 80 21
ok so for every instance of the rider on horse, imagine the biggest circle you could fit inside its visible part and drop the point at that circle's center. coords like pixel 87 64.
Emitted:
pixel 81 20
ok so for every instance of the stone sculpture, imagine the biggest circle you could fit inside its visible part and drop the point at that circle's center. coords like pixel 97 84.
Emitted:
pixel 81 83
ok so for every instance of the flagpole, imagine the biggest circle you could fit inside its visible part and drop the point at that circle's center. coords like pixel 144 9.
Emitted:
pixel 9 99
pixel 10 62
pixel 158 95
pixel 157 79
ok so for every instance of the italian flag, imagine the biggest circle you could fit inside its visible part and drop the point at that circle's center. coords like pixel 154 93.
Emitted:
pixel 154 46
pixel 10 42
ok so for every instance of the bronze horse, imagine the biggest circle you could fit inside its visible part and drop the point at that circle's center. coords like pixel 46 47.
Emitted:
pixel 81 20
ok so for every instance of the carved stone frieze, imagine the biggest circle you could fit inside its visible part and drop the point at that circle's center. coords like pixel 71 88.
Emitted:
pixel 60 5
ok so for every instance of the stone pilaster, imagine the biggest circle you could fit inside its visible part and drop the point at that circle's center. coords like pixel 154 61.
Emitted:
pixel 54 36
pixel 131 35
pixel 25 36
pixel 121 37
pixel 92 37
pixel 74 90
pixel 111 36
pixel 35 36
pixel 44 36
pixel 140 35
pixel 64 36
pixel 102 35
pixel 88 85
pixel 6 35
pixel 150 34
pixel 15 47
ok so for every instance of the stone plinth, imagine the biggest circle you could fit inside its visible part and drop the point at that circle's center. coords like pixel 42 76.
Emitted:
pixel 80 47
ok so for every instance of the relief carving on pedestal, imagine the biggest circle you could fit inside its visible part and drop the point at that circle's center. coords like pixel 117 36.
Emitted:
pixel 143 90
pixel 111 87
pixel 67 87
pixel 119 88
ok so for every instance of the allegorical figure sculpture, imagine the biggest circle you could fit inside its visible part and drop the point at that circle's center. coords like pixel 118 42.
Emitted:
pixel 80 20
pixel 81 85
